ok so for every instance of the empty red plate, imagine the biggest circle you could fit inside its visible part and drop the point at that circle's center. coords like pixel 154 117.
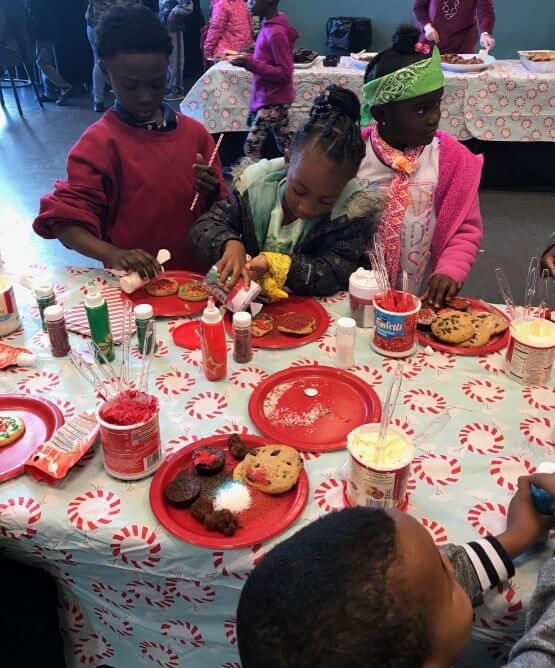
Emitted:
pixel 267 516
pixel 313 408
pixel 275 340
pixel 170 306
pixel 42 418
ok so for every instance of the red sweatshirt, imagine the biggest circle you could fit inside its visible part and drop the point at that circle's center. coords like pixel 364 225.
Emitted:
pixel 133 187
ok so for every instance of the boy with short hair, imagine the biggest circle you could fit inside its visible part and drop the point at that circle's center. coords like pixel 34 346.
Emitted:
pixel 272 88
pixel 133 174
pixel 367 587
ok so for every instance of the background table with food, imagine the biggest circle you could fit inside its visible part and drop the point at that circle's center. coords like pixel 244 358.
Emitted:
pixel 210 454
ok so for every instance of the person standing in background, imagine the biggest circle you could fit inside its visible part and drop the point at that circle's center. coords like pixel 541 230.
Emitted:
pixel 94 12
pixel 454 25
pixel 231 28
pixel 45 23
pixel 174 14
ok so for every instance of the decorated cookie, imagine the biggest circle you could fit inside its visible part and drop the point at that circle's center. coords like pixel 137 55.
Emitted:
pixel 192 291
pixel 162 287
pixel 454 327
pixel 459 304
pixel 263 324
pixel 296 323
pixel 272 469
pixel 11 428
pixel 425 317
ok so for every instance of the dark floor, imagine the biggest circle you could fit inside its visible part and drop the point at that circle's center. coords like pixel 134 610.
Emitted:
pixel 33 151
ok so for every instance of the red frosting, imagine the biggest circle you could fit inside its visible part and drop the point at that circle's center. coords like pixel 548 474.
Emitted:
pixel 395 301
pixel 205 457
pixel 130 407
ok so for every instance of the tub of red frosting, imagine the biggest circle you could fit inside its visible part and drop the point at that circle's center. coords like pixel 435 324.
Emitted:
pixel 130 435
pixel 395 320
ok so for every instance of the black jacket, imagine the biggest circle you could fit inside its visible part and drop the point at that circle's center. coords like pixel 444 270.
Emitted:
pixel 323 261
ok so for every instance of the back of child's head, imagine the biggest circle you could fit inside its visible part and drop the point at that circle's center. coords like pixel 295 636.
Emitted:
pixel 333 596
pixel 131 29
pixel 400 54
pixel 333 128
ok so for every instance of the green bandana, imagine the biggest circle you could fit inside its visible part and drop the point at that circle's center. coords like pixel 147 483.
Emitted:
pixel 420 78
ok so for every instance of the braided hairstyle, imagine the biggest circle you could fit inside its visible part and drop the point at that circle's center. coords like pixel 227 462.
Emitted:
pixel 334 127
pixel 400 54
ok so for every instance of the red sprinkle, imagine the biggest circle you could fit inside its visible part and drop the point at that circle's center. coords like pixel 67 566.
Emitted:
pixel 294 320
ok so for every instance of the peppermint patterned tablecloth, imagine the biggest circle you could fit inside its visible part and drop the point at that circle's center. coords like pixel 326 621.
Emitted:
pixel 134 595
pixel 504 103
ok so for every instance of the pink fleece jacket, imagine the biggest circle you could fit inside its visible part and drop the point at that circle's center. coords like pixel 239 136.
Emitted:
pixel 458 230
pixel 231 28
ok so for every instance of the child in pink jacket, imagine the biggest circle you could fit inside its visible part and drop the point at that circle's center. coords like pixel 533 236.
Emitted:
pixel 431 219
pixel 231 28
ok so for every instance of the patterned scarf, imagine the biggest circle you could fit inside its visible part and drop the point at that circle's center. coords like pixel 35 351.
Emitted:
pixel 424 76
pixel 391 223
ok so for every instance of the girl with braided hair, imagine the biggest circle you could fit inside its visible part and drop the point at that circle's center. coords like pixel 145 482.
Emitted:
pixel 430 179
pixel 303 219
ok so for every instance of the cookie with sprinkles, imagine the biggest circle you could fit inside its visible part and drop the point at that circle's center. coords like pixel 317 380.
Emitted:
pixel 11 428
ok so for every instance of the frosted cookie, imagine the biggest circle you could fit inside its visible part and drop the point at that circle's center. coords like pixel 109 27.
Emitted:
pixel 11 428
pixel 162 287
pixel 296 323
pixel 192 291
pixel 263 324
pixel 272 469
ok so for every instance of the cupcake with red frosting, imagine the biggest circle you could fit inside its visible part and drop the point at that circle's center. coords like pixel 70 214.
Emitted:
pixel 208 461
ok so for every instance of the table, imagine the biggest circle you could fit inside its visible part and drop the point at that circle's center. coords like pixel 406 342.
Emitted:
pixel 504 103
pixel 133 593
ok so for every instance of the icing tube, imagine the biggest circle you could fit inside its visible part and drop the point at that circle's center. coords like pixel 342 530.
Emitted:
pixel 52 460
pixel 12 356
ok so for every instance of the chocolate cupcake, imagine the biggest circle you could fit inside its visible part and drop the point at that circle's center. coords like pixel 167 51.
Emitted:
pixel 183 490
pixel 208 461
pixel 237 447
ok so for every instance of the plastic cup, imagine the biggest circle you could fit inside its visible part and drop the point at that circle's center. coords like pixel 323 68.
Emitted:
pixel 131 452
pixel 378 486
pixel 395 331
pixel 529 360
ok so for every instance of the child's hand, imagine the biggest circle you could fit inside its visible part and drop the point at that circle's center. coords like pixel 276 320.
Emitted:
pixel 257 267
pixel 548 261
pixel 232 265
pixel 442 289
pixel 239 61
pixel 207 183
pixel 134 260
pixel 525 526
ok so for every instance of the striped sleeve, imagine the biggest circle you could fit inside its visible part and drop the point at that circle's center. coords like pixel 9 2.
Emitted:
pixel 490 561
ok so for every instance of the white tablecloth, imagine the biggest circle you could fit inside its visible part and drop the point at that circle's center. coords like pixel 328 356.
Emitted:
pixel 132 594
pixel 503 103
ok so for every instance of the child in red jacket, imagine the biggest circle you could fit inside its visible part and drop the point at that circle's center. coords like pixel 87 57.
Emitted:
pixel 272 88
pixel 133 174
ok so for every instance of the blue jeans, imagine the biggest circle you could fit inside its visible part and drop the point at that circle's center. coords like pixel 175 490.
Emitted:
pixel 98 78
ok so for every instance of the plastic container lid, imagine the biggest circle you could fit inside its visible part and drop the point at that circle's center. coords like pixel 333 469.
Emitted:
pixel 346 326
pixel 43 290
pixel 94 298
pixel 143 312
pixel 53 313
pixel 242 320
pixel 187 335
pixel 211 313
pixel 363 284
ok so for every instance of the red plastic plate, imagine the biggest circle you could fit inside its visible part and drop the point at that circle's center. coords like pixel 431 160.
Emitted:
pixel 304 421
pixel 495 344
pixel 276 340
pixel 42 418
pixel 171 306
pixel 267 517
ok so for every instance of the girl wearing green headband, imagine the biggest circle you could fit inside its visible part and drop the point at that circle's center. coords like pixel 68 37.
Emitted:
pixel 431 213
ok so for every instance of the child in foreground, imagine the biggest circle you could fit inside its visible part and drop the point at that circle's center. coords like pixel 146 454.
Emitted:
pixel 272 87
pixel 366 587
pixel 431 179
pixel 132 176
pixel 304 219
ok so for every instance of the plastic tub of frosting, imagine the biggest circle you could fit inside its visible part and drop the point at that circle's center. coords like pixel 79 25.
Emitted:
pixel 531 351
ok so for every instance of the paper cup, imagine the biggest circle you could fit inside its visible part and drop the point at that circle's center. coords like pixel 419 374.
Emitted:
pixel 131 452
pixel 395 333
pixel 374 486
pixel 529 363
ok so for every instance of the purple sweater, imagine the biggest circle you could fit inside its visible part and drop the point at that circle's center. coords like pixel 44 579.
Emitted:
pixel 459 33
pixel 272 63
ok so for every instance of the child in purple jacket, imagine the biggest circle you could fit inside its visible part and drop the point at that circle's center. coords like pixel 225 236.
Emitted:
pixel 272 67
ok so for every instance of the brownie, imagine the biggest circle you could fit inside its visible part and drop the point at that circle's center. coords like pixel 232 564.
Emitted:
pixel 221 520
pixel 201 507
pixel 237 447
pixel 208 461
pixel 183 490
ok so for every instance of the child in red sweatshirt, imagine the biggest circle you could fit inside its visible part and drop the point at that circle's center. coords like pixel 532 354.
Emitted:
pixel 272 67
pixel 133 174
